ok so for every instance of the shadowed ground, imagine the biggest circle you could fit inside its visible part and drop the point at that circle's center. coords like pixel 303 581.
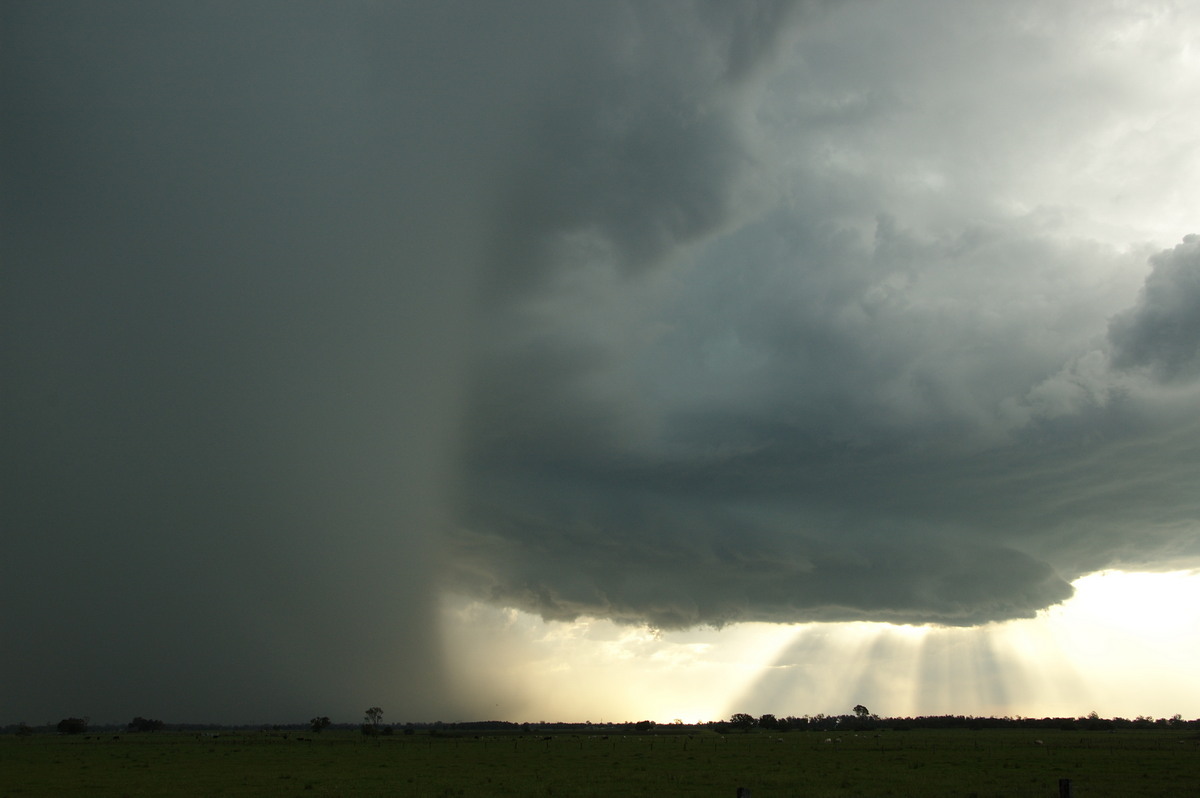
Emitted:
pixel 918 762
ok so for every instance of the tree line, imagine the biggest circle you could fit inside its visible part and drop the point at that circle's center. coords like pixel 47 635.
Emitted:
pixel 858 719
pixel 862 719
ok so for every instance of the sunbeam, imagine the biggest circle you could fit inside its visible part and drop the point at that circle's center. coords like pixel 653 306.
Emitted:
pixel 1066 662
pixel 1075 658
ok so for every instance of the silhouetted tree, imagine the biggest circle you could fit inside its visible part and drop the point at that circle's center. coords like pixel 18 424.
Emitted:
pixel 373 716
pixel 862 711
pixel 318 724
pixel 72 725
pixel 140 724
pixel 743 721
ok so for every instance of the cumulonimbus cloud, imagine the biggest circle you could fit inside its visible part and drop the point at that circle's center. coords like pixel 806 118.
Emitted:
pixel 674 313
pixel 814 409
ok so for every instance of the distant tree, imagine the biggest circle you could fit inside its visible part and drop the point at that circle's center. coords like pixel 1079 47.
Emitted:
pixel 768 722
pixel 318 724
pixel 862 711
pixel 24 729
pixel 743 721
pixel 72 725
pixel 140 724
pixel 373 717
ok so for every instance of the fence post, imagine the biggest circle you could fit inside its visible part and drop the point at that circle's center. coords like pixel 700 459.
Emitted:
pixel 1064 788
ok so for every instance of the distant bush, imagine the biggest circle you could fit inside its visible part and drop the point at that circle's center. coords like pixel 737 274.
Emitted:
pixel 140 724
pixel 72 725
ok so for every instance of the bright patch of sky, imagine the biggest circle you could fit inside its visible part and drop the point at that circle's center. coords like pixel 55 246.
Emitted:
pixel 1123 646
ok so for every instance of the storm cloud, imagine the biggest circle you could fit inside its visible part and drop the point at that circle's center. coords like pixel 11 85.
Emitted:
pixel 1162 331
pixel 676 314
pixel 823 446
pixel 896 385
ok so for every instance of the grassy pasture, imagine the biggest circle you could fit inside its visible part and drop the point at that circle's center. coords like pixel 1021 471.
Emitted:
pixel 338 763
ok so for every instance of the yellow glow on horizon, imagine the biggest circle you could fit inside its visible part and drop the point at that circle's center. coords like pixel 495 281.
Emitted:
pixel 1125 645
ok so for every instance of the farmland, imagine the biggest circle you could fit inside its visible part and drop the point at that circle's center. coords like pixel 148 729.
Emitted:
pixel 696 762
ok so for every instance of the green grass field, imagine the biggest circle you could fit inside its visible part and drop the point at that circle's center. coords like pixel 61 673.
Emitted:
pixel 802 764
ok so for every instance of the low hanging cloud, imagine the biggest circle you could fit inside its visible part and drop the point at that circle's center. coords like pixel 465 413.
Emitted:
pixel 847 446
pixel 881 395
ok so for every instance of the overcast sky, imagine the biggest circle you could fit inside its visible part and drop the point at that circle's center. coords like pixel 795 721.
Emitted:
pixel 344 344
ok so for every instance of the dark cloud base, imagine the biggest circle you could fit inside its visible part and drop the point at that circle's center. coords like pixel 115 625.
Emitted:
pixel 800 446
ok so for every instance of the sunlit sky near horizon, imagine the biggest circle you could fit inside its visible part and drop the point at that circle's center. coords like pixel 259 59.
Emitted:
pixel 599 360
pixel 1111 649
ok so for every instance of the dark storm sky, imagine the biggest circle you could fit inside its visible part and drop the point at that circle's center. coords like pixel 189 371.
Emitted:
pixel 682 313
